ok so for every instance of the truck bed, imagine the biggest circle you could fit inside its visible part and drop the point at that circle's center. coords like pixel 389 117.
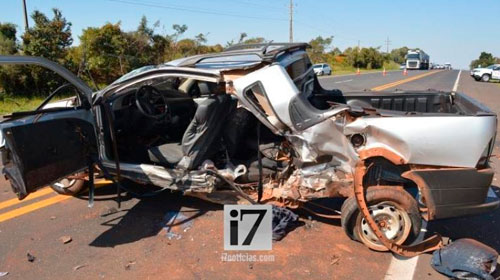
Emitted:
pixel 415 102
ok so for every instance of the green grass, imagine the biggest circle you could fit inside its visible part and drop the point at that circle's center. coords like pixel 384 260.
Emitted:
pixel 9 104
pixel 345 70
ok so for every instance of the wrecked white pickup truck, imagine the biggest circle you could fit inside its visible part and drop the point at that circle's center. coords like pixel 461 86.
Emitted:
pixel 252 124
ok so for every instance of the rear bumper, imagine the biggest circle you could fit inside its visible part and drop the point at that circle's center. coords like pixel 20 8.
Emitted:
pixel 455 192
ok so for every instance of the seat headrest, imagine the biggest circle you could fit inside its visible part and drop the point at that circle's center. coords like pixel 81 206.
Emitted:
pixel 204 88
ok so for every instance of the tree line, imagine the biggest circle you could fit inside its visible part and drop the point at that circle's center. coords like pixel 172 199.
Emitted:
pixel 485 59
pixel 107 52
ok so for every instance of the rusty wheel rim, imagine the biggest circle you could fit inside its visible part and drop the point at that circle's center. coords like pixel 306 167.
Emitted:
pixel 394 222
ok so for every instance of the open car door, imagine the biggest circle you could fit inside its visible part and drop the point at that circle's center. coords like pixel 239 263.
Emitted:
pixel 42 146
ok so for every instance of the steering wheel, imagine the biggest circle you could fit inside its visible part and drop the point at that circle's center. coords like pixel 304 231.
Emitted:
pixel 151 102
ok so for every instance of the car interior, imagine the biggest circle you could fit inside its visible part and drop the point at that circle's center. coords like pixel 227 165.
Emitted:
pixel 182 122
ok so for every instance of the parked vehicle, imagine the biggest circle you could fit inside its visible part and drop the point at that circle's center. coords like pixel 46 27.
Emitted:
pixel 417 59
pixel 252 124
pixel 322 69
pixel 487 73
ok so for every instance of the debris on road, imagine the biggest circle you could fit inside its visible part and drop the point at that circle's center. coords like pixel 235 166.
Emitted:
pixel 466 259
pixel 30 257
pixel 173 219
pixel 334 259
pixel 2 274
pixel 79 266
pixel 284 221
pixel 129 265
pixel 65 239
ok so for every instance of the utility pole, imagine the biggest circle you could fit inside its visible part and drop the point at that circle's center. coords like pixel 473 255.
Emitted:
pixel 291 21
pixel 387 42
pixel 26 26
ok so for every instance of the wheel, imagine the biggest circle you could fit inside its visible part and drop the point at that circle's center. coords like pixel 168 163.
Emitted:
pixel 69 186
pixel 485 78
pixel 395 211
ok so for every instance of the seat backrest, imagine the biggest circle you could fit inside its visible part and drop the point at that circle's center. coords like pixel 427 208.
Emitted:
pixel 205 128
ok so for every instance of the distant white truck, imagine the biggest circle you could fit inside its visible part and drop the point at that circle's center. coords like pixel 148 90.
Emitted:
pixel 485 74
pixel 417 59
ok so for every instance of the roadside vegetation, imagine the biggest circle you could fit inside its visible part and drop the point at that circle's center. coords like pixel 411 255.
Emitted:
pixel 107 52
pixel 485 59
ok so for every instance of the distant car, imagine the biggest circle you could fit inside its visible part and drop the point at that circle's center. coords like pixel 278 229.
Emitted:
pixel 402 66
pixel 447 66
pixel 485 74
pixel 321 69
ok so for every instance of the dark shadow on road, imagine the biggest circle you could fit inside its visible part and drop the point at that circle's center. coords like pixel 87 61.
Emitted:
pixel 146 218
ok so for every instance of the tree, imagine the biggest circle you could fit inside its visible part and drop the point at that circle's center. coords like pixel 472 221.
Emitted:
pixel 399 55
pixel 49 38
pixel 104 51
pixel 7 39
pixel 485 59
pixel 319 45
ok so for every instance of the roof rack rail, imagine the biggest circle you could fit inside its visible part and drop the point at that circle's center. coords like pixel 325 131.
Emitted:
pixel 263 46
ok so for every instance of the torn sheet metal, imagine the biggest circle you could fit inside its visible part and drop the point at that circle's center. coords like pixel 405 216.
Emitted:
pixel 325 138
pixel 437 140
pixel 466 259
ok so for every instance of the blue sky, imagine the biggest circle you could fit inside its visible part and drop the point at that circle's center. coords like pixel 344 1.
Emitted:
pixel 449 31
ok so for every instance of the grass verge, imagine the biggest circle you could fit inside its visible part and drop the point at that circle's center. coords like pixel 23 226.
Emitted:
pixel 9 104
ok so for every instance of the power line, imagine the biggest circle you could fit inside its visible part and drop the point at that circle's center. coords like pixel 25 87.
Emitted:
pixel 193 10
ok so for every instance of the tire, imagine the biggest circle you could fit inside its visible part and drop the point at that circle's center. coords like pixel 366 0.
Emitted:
pixel 69 186
pixel 485 78
pixel 398 205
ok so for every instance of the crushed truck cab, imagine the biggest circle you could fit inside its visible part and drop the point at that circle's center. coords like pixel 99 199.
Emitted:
pixel 252 124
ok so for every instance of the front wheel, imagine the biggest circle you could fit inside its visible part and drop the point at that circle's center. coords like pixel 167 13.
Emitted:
pixel 393 209
pixel 485 78
pixel 70 185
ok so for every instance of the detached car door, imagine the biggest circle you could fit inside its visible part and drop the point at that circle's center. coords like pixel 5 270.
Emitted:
pixel 41 146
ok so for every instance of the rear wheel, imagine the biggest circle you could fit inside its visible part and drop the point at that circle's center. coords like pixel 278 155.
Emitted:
pixel 71 185
pixel 393 209
pixel 485 78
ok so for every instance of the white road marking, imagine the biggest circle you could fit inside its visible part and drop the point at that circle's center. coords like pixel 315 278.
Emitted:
pixel 346 81
pixel 455 86
pixel 402 268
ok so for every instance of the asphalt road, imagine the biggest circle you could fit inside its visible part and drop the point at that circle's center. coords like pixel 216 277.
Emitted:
pixel 354 83
pixel 130 242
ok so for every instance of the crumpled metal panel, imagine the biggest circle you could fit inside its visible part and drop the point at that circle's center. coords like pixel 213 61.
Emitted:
pixel 466 259
pixel 325 138
pixel 456 141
